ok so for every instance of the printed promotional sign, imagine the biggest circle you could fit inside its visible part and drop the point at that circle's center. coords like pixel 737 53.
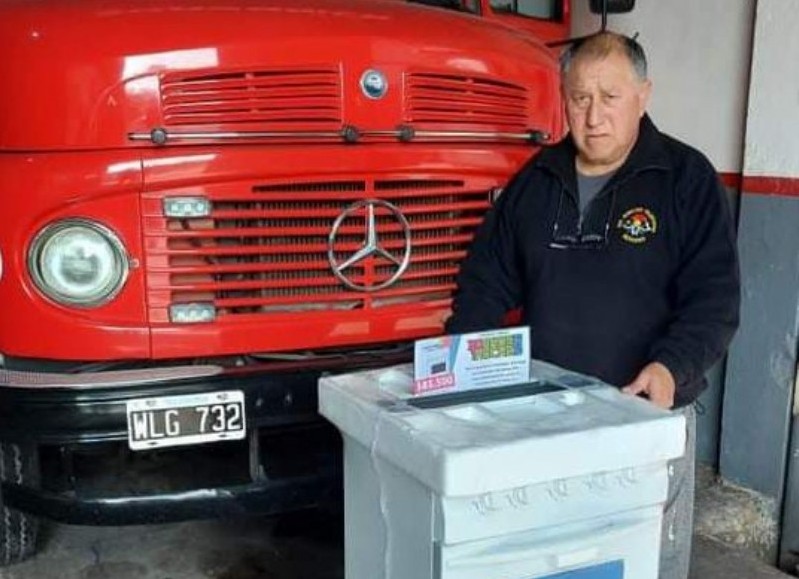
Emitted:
pixel 469 361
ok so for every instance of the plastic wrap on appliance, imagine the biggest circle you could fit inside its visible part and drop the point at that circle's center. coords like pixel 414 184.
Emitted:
pixel 584 426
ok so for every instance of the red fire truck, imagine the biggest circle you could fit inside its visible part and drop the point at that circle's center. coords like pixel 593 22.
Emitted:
pixel 207 203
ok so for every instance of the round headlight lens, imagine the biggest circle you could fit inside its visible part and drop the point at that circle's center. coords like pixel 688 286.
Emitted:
pixel 78 263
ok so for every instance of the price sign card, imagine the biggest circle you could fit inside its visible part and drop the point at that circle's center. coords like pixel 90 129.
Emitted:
pixel 470 361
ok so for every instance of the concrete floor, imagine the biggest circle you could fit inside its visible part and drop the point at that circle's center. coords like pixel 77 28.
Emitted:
pixel 243 549
pixel 254 549
pixel 715 560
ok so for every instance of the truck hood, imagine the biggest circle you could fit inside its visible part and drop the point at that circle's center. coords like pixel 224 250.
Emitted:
pixel 90 73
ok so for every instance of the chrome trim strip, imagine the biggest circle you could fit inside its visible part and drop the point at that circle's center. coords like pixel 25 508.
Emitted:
pixel 118 378
pixel 237 135
pixel 161 136
pixel 473 135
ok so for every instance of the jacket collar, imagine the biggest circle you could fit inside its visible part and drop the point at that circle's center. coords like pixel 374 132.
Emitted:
pixel 648 152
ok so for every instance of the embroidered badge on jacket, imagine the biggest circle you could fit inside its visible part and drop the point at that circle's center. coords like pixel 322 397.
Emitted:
pixel 637 225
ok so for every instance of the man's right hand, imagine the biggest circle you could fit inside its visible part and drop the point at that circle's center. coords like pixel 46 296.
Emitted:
pixel 656 382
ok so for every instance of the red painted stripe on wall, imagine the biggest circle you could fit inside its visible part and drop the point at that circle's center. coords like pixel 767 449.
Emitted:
pixel 731 180
pixel 782 186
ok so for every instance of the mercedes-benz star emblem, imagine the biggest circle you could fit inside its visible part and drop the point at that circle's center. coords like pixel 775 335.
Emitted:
pixel 374 84
pixel 371 244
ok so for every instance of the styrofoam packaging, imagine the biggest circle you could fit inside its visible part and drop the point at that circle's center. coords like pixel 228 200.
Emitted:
pixel 528 486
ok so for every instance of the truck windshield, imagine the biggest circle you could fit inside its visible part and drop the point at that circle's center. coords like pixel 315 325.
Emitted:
pixel 540 9
pixel 460 5
pixel 543 9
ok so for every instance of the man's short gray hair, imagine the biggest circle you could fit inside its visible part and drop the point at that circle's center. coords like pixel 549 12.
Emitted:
pixel 601 45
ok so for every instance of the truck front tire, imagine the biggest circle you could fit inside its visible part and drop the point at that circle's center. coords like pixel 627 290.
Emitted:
pixel 18 531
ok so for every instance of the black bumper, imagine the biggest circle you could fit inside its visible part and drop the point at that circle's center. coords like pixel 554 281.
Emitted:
pixel 289 460
pixel 259 498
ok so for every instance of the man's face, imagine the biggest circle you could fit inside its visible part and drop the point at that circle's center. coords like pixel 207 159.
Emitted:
pixel 604 100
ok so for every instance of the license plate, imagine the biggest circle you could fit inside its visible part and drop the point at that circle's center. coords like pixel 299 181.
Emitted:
pixel 185 419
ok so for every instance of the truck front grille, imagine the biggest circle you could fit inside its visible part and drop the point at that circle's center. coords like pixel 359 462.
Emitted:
pixel 264 248
pixel 306 99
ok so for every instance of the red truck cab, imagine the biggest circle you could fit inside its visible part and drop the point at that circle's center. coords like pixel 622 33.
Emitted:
pixel 205 205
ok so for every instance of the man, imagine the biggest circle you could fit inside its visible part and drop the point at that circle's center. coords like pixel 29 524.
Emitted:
pixel 617 245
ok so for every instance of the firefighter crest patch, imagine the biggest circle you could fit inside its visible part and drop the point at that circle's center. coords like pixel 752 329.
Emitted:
pixel 638 225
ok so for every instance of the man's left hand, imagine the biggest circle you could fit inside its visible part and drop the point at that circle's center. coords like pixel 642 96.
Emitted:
pixel 656 382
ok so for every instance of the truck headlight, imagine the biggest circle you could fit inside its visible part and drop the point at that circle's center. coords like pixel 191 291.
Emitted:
pixel 78 262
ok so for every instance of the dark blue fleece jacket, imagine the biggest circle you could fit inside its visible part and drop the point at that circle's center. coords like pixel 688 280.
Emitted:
pixel 649 273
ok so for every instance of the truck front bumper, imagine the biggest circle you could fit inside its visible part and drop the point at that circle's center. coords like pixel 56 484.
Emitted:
pixel 77 427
